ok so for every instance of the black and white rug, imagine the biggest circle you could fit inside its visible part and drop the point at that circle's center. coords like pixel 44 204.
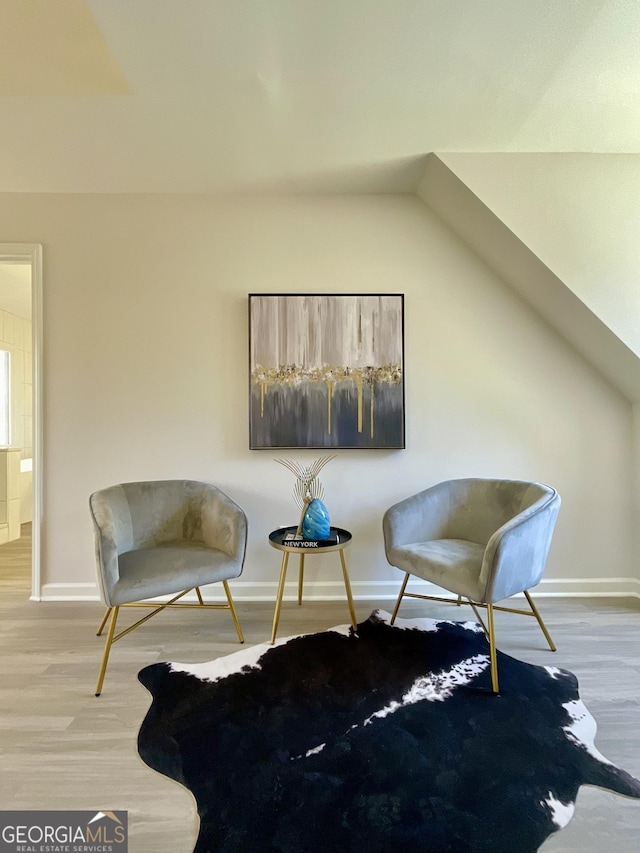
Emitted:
pixel 383 739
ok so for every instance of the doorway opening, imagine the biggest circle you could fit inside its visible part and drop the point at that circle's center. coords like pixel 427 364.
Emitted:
pixel 21 389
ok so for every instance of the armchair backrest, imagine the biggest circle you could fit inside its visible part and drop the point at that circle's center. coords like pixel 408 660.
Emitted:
pixel 479 507
pixel 516 554
pixel 149 513
pixel 164 511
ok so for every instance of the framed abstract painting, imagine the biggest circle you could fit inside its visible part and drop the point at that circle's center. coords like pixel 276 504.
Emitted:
pixel 326 370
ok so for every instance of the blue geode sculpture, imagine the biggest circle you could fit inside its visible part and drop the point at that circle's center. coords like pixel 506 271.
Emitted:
pixel 315 524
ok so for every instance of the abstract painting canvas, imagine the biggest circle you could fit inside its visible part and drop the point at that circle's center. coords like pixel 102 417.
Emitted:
pixel 326 370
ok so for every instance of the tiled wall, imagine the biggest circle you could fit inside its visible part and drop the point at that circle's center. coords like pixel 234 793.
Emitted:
pixel 15 337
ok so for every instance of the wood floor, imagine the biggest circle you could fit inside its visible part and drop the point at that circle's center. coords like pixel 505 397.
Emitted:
pixel 63 748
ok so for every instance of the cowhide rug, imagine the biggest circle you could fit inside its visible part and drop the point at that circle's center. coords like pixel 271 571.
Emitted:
pixel 385 739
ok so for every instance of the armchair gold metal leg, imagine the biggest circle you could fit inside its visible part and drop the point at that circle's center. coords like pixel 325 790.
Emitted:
pixel 402 589
pixel 107 649
pixel 547 635
pixel 492 650
pixel 104 622
pixel 300 578
pixel 199 594
pixel 459 601
pixel 347 586
pixel 233 611
pixel 153 612
pixel 283 577
pixel 479 618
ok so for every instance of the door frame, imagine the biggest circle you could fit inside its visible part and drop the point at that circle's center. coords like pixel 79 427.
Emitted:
pixel 31 253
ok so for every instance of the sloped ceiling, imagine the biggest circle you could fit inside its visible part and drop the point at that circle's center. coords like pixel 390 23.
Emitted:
pixel 520 224
pixel 286 95
pixel 580 214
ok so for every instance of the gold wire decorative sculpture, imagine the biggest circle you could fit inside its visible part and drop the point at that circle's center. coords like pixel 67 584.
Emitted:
pixel 307 486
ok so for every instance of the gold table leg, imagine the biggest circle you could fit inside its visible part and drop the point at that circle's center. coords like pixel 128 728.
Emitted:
pixel 276 615
pixel 347 586
pixel 301 578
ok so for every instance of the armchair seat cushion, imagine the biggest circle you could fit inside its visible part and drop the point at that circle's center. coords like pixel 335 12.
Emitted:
pixel 170 568
pixel 453 564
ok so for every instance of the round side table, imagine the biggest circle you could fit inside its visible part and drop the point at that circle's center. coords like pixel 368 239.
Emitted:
pixel 277 540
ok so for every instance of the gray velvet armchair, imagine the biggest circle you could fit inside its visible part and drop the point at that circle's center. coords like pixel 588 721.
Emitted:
pixel 163 538
pixel 483 540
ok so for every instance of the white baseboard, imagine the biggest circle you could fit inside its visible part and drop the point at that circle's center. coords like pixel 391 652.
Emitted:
pixel 362 590
pixel 589 588
pixel 69 592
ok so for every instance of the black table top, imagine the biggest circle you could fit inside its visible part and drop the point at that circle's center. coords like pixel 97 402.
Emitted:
pixel 338 539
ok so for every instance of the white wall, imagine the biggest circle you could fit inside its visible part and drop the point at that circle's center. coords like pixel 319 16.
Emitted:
pixel 145 356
